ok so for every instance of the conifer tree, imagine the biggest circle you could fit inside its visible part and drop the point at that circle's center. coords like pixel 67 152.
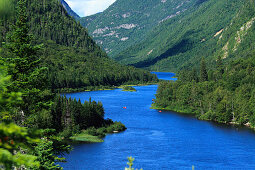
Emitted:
pixel 27 75
pixel 220 68
pixel 203 71
pixel 12 137
pixel 193 75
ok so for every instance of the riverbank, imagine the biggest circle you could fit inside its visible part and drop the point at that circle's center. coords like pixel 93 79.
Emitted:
pixel 93 135
pixel 182 111
pixel 129 88
pixel 151 133
pixel 100 88
pixel 82 137
pixel 190 113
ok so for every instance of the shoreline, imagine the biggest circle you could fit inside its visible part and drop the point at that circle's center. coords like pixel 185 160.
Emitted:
pixel 183 112
pixel 86 138
pixel 99 88
pixel 96 135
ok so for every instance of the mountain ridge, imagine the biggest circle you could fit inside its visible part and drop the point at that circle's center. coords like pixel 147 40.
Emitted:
pixel 177 41
pixel 127 22
pixel 74 60
pixel 69 9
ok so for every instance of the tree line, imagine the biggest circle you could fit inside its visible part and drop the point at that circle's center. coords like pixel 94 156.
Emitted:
pixel 223 94
pixel 73 59
pixel 33 119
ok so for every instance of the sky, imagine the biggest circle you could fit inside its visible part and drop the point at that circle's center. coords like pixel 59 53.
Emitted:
pixel 89 7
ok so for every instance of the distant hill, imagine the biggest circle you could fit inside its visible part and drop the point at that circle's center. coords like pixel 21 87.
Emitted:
pixel 224 28
pixel 127 22
pixel 69 10
pixel 74 60
pixel 175 34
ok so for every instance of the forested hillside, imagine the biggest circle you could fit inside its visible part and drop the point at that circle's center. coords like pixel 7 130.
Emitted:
pixel 43 49
pixel 73 58
pixel 127 22
pixel 181 41
pixel 186 31
pixel 223 92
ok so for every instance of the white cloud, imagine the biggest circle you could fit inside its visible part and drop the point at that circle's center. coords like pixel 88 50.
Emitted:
pixel 89 7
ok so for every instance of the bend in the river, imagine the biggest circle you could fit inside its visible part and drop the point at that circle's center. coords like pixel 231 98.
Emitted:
pixel 163 140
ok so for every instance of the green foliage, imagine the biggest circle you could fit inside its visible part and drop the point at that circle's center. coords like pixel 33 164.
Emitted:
pixel 68 114
pixel 70 68
pixel 127 22
pixel 73 59
pixel 130 163
pixel 179 42
pixel 24 66
pixel 225 98
pixel 93 134
pixel 46 154
pixel 71 116
pixel 129 88
pixel 13 141
pixel 20 146
pixel 84 137
pixel 6 8
pixel 203 71
pixel 7 99
pixel 116 127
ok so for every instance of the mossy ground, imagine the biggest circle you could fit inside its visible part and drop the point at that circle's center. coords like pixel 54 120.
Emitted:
pixel 83 137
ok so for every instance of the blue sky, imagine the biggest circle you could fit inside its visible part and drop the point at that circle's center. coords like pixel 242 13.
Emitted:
pixel 89 7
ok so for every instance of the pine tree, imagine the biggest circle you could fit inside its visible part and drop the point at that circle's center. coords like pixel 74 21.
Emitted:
pixel 203 71
pixel 193 75
pixel 220 68
pixel 27 76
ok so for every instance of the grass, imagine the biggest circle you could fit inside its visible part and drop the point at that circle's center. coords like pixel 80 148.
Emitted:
pixel 83 137
pixel 93 135
pixel 97 88
pixel 129 88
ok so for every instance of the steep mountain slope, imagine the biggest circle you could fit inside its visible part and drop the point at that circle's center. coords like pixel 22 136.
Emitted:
pixel 182 41
pixel 127 22
pixel 170 35
pixel 237 39
pixel 73 58
pixel 69 10
pixel 225 93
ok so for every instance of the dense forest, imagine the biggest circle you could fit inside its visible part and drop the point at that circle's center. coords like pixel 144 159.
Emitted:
pixel 222 87
pixel 41 51
pixel 173 35
pixel 72 57
pixel 224 94
pixel 45 51
pixel 127 22
pixel 179 42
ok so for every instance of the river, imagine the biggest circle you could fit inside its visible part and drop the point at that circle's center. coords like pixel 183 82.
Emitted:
pixel 160 140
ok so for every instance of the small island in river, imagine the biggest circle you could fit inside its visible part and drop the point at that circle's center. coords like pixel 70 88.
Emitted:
pixel 129 88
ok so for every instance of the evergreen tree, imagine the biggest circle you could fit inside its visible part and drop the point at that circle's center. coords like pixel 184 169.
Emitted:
pixel 27 75
pixel 220 67
pixel 193 75
pixel 203 71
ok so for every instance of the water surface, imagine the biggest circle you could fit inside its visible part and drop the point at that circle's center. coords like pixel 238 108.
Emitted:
pixel 163 140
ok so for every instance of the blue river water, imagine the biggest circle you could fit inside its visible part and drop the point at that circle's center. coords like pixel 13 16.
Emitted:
pixel 160 140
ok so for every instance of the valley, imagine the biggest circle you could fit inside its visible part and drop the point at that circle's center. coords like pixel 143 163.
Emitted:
pixel 168 82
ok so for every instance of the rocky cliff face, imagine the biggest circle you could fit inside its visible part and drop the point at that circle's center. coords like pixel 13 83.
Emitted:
pixel 127 22
pixel 169 35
